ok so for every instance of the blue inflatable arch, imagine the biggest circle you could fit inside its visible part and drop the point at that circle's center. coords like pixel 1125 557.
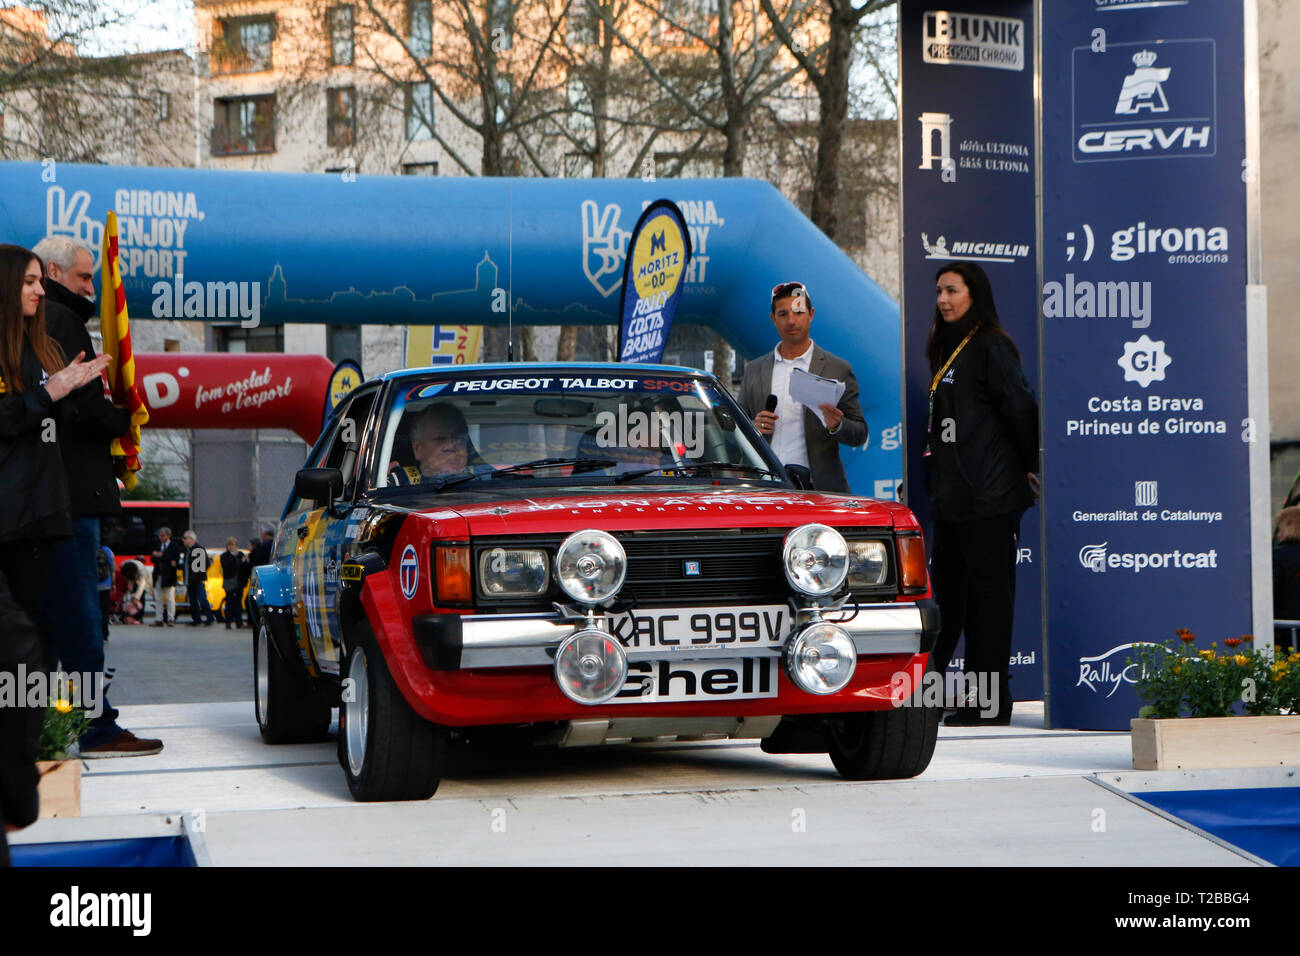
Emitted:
pixel 414 250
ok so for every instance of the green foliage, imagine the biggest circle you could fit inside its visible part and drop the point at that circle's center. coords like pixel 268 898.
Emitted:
pixel 1177 680
pixel 64 725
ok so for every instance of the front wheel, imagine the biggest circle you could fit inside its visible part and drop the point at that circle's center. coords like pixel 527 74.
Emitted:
pixel 884 745
pixel 288 711
pixel 388 751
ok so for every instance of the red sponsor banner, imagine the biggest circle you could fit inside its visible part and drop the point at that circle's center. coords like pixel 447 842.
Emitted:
pixel 223 390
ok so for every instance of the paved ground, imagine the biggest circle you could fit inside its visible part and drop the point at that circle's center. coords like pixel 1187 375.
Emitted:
pixel 1015 795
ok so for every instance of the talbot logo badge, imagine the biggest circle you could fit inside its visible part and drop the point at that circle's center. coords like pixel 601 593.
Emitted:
pixel 692 568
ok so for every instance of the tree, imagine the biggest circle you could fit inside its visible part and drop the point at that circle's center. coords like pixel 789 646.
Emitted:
pixel 828 69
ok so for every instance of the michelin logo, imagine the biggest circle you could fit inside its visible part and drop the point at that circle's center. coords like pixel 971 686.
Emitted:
pixel 1095 558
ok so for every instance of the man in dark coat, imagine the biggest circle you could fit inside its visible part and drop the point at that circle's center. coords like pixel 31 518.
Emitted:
pixel 167 558
pixel 87 427
pixel 797 434
pixel 196 580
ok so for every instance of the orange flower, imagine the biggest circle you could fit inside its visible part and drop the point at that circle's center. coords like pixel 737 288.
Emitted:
pixel 1232 641
pixel 1248 638
pixel 1185 635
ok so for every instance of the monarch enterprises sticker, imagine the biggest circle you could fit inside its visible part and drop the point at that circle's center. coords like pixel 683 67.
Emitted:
pixel 972 39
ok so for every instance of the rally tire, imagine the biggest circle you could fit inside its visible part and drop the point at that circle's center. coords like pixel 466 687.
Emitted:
pixel 386 749
pixel 883 745
pixel 288 710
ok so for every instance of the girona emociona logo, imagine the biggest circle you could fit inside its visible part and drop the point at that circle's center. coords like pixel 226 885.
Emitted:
pixel 408 571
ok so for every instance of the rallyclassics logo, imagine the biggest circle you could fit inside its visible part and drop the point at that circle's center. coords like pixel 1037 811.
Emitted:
pixel 1095 558
pixel 969 39
pixel 1108 670
pixel 1161 104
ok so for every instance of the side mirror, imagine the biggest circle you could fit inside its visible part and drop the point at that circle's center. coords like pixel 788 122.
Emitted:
pixel 801 475
pixel 319 484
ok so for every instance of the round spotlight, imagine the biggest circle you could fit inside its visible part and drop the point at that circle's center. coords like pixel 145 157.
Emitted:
pixel 821 658
pixel 816 560
pixel 590 666
pixel 590 566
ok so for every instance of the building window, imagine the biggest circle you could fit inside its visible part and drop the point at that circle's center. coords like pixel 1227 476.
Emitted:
pixel 419 111
pixel 340 116
pixel 419 169
pixel 243 124
pixel 341 36
pixel 580 29
pixel 680 16
pixel 235 338
pixel 244 45
pixel 163 99
pixel 501 11
pixel 419 28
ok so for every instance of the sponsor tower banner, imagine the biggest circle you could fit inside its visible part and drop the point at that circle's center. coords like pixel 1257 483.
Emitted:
pixel 658 253
pixel 1146 430
pixel 968 182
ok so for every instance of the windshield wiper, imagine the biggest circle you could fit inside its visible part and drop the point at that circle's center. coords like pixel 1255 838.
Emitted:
pixel 578 464
pixel 665 469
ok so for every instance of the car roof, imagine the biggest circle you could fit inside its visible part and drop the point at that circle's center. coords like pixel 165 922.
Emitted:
pixel 530 367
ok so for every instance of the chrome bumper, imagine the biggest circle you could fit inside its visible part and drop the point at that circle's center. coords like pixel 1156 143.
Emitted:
pixel 472 641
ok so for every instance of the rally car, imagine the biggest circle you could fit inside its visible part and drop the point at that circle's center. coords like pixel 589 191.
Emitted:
pixel 583 554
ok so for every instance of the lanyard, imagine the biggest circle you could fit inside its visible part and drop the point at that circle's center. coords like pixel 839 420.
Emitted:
pixel 934 385
pixel 952 358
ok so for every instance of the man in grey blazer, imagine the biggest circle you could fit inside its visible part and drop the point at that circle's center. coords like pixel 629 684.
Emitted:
pixel 794 431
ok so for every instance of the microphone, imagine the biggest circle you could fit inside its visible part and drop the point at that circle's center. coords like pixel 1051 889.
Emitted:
pixel 770 404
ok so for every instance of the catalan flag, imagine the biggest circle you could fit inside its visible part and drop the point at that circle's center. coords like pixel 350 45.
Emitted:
pixel 115 328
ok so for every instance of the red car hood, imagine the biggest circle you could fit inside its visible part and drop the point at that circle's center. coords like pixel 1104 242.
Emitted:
pixel 694 509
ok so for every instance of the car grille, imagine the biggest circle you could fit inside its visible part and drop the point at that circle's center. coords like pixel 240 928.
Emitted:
pixel 737 566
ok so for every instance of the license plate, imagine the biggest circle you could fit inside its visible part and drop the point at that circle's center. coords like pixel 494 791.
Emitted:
pixel 662 682
pixel 681 629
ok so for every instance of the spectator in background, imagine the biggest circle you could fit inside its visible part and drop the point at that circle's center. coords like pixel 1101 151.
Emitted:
pixel 234 575
pixel 196 580
pixel 167 558
pixel 104 562
pixel 128 593
pixel 1286 571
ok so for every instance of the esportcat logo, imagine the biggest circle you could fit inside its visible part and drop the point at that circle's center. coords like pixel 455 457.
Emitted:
pixel 1095 558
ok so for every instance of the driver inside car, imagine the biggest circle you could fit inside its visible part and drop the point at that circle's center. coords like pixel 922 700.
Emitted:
pixel 441 445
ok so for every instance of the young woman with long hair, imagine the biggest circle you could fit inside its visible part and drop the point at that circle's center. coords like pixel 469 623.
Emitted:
pixel 981 454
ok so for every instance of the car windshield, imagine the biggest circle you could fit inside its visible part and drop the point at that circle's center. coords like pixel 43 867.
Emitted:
pixel 566 427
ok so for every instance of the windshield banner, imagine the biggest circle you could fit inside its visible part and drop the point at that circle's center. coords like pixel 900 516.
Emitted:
pixel 659 250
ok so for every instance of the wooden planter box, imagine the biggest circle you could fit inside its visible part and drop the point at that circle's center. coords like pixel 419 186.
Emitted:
pixel 1208 743
pixel 60 788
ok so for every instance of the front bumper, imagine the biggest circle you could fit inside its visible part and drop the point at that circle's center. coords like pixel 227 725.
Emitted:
pixel 452 642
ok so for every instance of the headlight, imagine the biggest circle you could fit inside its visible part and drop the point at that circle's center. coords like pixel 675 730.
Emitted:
pixel 590 566
pixel 590 666
pixel 816 560
pixel 821 658
pixel 868 564
pixel 513 572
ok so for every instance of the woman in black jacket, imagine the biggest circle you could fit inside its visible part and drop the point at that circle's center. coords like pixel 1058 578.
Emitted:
pixel 981 454
pixel 33 504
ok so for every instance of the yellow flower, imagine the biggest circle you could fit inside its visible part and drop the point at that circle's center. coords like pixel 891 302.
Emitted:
pixel 1208 655
pixel 63 706
pixel 1242 660
pixel 1177 669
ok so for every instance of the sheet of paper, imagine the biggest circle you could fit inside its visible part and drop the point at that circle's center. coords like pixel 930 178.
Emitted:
pixel 812 390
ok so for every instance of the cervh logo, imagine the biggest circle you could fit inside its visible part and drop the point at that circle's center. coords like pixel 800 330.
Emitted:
pixel 1147 100
pixel 408 572
pixel 1144 362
